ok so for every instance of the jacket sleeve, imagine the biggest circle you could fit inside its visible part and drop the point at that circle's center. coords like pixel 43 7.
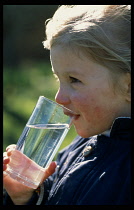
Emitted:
pixel 6 199
pixel 48 182
pixel 33 200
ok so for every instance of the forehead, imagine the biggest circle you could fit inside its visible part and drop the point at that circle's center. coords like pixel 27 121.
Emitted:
pixel 65 60
pixel 68 57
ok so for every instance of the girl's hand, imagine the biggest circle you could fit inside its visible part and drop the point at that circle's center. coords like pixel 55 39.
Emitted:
pixel 19 193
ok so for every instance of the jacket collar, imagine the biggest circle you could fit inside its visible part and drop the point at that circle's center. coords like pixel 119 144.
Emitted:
pixel 120 125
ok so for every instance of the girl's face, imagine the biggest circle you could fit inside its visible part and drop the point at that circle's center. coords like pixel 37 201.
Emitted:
pixel 86 88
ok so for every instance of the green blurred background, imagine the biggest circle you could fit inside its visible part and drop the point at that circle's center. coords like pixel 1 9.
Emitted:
pixel 27 71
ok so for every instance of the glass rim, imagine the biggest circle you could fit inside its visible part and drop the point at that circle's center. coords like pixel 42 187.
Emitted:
pixel 54 102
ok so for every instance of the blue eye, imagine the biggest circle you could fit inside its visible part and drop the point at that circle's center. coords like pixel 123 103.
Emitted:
pixel 73 79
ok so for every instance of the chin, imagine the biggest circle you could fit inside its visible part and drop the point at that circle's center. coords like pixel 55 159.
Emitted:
pixel 86 134
pixel 83 134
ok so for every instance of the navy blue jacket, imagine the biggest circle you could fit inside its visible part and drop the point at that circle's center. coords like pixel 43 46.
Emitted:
pixel 100 177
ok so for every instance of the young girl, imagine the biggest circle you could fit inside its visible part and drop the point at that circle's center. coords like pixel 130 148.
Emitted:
pixel 90 55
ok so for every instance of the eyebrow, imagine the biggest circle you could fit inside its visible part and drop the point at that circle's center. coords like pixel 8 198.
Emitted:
pixel 68 72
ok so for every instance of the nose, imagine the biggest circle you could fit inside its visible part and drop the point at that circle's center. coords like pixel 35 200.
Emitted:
pixel 62 97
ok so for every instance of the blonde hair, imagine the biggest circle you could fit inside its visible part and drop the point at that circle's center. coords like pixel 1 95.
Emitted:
pixel 101 31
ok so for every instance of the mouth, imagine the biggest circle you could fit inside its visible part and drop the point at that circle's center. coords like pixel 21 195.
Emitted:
pixel 72 114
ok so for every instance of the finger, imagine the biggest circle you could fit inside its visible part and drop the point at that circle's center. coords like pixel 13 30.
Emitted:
pixel 50 170
pixel 9 152
pixel 6 160
pixel 4 154
pixel 11 147
pixel 4 167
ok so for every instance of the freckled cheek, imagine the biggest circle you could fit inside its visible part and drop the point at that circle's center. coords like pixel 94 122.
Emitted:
pixel 82 105
pixel 98 112
pixel 79 101
pixel 91 115
pixel 88 107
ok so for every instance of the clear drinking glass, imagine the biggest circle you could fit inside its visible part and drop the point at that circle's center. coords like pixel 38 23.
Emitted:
pixel 39 142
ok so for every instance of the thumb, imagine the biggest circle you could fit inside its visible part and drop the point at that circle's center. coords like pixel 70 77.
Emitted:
pixel 50 170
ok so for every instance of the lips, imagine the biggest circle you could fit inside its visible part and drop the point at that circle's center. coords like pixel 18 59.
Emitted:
pixel 76 117
pixel 71 114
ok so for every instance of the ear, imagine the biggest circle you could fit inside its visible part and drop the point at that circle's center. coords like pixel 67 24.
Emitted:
pixel 127 86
